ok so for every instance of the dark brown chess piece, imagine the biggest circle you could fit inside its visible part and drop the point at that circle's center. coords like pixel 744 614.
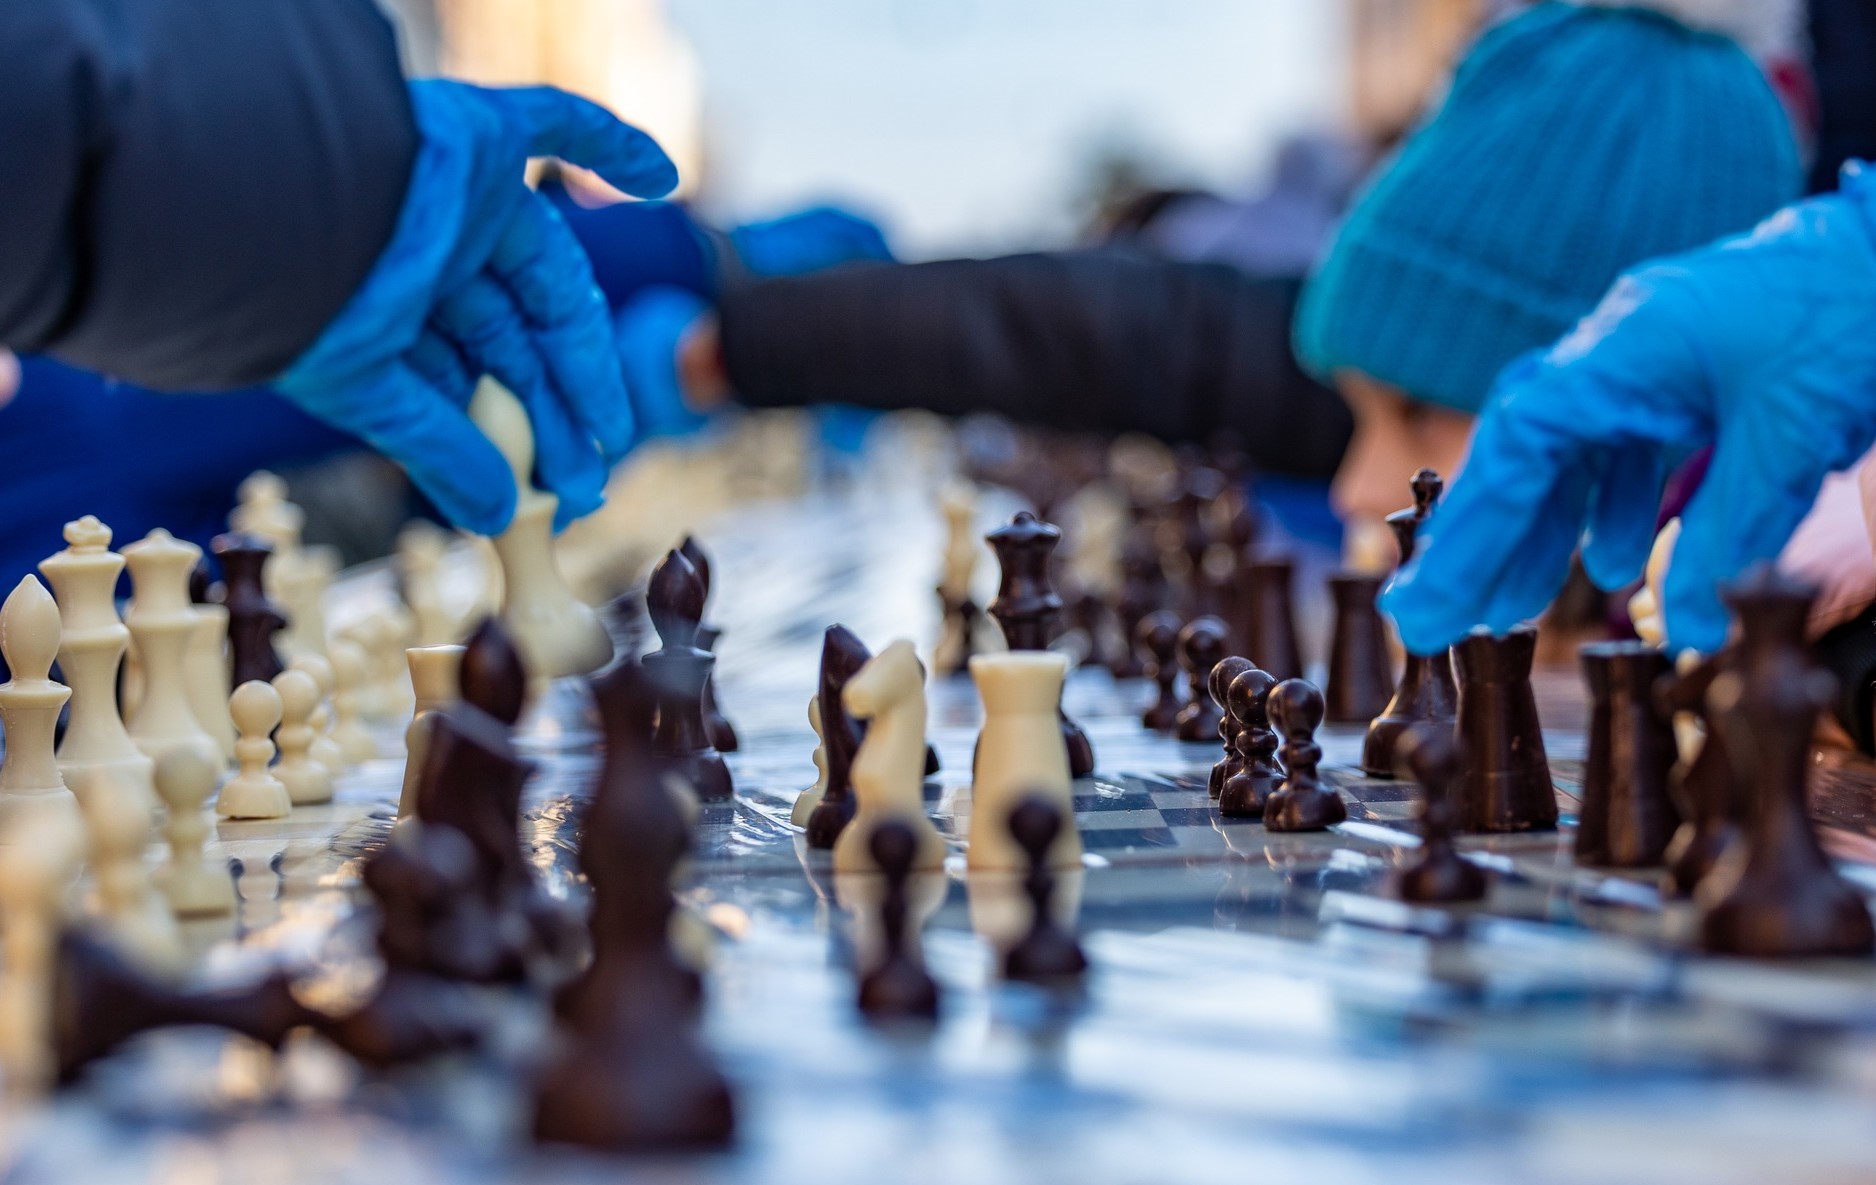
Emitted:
pixel 722 732
pixel 1302 802
pixel 1361 676
pixel 1270 630
pixel 1047 953
pixel 1775 894
pixel 1219 685
pixel 897 987
pixel 1157 642
pixel 1235 528
pixel 1426 692
pixel 842 656
pixel 1627 817
pixel 1706 790
pixel 1203 644
pixel 680 669
pixel 1507 784
pixel 253 619
pixel 1027 608
pixel 1142 591
pixel 1186 537
pixel 1439 875
pixel 1248 789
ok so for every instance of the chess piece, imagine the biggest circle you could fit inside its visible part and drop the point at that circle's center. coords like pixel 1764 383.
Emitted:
pixel 30 701
pixel 262 510
pixel 956 641
pixel 91 647
pixel 308 782
pixel 1185 537
pixel 1020 691
pixel 185 779
pixel 1361 680
pixel 205 665
pixel 1027 608
pixel 355 741
pixel 1775 894
pixel 716 724
pixel 1156 640
pixel 253 620
pixel 680 668
pixel 888 694
pixel 421 546
pixel 254 792
pixel 810 798
pixel 898 986
pixel 161 621
pixel 1142 591
pixel 1439 875
pixel 1426 691
pixel 557 634
pixel 1048 953
pixel 1218 683
pixel 842 656
pixel 1626 819
pixel 326 750
pixel 1301 802
pixel 1245 793
pixel 40 853
pixel 1270 628
pixel 434 678
pixel 117 827
pixel 1203 644
pixel 301 580
pixel 1507 783
pixel 1708 793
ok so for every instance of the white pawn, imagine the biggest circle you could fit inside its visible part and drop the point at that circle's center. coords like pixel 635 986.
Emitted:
pixel 254 792
pixel 30 703
pixel 305 578
pixel 811 797
pixel 117 823
pixel 434 672
pixel 205 677
pixel 348 677
pixel 889 768
pixel 161 621
pixel 39 860
pixel 308 782
pixel 185 779
pixel 556 634
pixel 420 549
pixel 262 509
pixel 326 751
pixel 1020 753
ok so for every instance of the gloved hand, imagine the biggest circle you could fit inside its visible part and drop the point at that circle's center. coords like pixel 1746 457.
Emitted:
pixel 482 276
pixel 649 330
pixel 807 241
pixel 1763 345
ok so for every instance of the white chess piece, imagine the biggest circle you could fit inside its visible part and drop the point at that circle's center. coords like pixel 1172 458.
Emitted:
pixel 254 792
pixel 261 508
pixel 963 543
pixel 305 576
pixel 185 780
pixel 811 797
pixel 92 644
pixel 308 782
pixel 348 677
pixel 161 621
pixel 434 674
pixel 556 634
pixel 205 676
pixel 420 549
pixel 30 703
pixel 39 860
pixel 326 750
pixel 1019 753
pixel 889 768
pixel 117 826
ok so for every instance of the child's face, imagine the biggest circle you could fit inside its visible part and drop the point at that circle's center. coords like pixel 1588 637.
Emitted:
pixel 1394 437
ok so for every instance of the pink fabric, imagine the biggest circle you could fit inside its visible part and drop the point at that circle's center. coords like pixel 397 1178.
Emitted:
pixel 1835 546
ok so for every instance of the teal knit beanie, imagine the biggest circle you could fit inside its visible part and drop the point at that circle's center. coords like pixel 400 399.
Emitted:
pixel 1576 143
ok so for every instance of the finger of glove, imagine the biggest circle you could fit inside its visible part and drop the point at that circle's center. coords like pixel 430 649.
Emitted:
pixel 1622 514
pixel 486 325
pixel 546 271
pixel 1543 556
pixel 555 123
pixel 438 362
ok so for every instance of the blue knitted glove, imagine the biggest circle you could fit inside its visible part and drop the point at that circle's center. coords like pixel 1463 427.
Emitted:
pixel 815 238
pixel 482 276
pixel 1763 345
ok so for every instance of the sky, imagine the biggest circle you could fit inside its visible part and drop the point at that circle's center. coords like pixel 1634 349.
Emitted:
pixel 965 125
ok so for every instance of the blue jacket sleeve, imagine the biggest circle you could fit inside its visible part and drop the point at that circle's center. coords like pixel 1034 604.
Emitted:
pixel 190 189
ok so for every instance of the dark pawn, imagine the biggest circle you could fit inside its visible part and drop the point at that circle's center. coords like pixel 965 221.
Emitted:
pixel 1246 791
pixel 842 656
pixel 1157 643
pixel 1203 644
pixel 253 620
pixel 1185 537
pixel 1219 684
pixel 1048 953
pixel 1775 895
pixel 1627 818
pixel 722 732
pixel 1142 591
pixel 1270 627
pixel 1426 692
pixel 1361 676
pixel 1028 608
pixel 680 669
pixel 1440 875
pixel 899 987
pixel 1302 802
pixel 1706 790
pixel 1507 784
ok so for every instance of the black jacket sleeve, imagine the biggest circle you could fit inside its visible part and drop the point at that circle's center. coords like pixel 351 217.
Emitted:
pixel 1098 341
pixel 190 189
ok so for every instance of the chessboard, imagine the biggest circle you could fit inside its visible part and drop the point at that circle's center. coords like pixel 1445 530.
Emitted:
pixel 1259 1006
